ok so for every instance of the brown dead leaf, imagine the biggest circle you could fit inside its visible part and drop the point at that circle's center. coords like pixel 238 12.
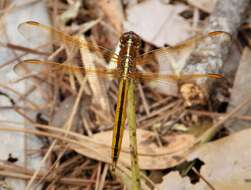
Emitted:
pixel 227 165
pixel 158 23
pixel 192 94
pixel 151 156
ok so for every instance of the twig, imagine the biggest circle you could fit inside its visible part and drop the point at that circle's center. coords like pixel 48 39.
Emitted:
pixel 133 139
pixel 219 125
pixel 93 176
pixel 21 97
pixel 98 176
pixel 227 16
pixel 103 176
pixel 144 101
pixel 51 170
pixel 204 179
pixel 67 126
pixel 214 114
pixel 24 49
pixel 64 180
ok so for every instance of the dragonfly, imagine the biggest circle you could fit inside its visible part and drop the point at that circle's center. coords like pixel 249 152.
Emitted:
pixel 126 62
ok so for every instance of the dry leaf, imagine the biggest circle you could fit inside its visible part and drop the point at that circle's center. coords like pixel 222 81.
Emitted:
pixel 192 94
pixel 64 110
pixel 96 84
pixel 114 12
pixel 240 90
pixel 205 5
pixel 150 156
pixel 158 23
pixel 227 165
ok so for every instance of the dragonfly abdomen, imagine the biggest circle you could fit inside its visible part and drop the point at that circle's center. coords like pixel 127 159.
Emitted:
pixel 120 118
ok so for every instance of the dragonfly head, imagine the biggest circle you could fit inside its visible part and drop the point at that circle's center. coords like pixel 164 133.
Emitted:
pixel 130 38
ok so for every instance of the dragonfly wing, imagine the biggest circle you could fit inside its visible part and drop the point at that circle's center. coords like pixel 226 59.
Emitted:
pixel 168 83
pixel 170 78
pixel 35 67
pixel 40 33
pixel 174 59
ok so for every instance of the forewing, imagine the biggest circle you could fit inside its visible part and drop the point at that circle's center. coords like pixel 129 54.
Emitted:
pixel 39 33
pixel 173 59
pixel 168 83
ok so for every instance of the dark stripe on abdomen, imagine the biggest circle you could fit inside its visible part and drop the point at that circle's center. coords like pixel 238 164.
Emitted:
pixel 121 110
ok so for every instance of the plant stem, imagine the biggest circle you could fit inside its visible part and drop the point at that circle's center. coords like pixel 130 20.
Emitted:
pixel 133 138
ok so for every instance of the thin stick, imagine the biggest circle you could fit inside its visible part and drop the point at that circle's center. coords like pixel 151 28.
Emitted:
pixel 103 176
pixel 215 114
pixel 204 179
pixel 67 126
pixel 133 138
pixel 205 137
pixel 98 176
pixel 63 180
pixel 142 95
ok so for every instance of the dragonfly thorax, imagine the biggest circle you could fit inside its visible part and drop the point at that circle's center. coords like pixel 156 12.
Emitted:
pixel 131 39
pixel 129 48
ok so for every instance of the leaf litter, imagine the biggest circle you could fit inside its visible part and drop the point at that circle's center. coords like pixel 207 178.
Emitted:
pixel 79 128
